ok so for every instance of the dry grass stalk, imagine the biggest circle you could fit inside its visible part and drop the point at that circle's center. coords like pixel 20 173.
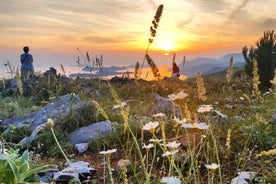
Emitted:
pixel 136 73
pixel 62 68
pixel 187 113
pixel 228 142
pixel 256 81
pixel 153 29
pixel 200 87
pixel 230 70
pixel 19 82
pixel 153 67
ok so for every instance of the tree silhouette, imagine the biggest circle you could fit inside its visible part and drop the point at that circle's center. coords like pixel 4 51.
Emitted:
pixel 265 55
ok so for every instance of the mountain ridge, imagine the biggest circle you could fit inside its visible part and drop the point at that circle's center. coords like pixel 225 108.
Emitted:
pixel 210 65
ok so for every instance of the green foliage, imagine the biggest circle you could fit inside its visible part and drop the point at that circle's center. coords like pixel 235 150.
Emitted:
pixel 17 169
pixel 45 144
pixel 265 54
pixel 16 134
pixel 96 145
pixel 52 86
pixel 85 116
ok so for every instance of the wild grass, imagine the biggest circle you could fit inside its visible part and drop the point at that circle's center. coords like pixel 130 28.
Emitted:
pixel 234 143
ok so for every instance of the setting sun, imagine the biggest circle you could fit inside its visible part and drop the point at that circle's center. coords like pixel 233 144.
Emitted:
pixel 167 46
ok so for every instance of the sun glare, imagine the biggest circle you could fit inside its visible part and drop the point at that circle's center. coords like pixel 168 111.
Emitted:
pixel 167 46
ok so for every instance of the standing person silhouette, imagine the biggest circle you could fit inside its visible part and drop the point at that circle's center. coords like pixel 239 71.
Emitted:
pixel 175 70
pixel 26 59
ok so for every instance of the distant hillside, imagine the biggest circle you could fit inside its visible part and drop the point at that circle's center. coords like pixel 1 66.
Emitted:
pixel 210 65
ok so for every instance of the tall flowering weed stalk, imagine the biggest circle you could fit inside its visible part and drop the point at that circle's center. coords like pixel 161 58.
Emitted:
pixel 153 30
pixel 229 70
pixel 107 154
pixel 136 72
pixel 19 82
pixel 200 87
pixel 51 124
pixel 10 69
pixel 256 80
pixel 125 112
pixel 153 67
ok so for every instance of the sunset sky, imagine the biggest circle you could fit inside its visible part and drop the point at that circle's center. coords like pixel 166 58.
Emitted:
pixel 119 29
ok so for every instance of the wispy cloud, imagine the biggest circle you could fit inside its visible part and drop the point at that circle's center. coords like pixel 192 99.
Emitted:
pixel 112 22
pixel 238 9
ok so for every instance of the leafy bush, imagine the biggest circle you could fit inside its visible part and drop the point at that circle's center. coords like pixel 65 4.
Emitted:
pixel 15 168
pixel 265 54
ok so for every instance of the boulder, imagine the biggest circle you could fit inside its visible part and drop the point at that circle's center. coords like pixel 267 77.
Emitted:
pixel 243 178
pixel 164 105
pixel 82 147
pixel 36 121
pixel 52 71
pixel 95 130
pixel 80 171
pixel 46 176
pixel 273 119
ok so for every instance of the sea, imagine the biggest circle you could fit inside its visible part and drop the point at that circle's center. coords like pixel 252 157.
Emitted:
pixel 74 70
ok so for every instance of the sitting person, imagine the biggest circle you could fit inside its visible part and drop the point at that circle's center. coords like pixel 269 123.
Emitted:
pixel 175 70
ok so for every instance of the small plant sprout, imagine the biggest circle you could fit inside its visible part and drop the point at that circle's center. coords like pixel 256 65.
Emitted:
pixel 170 180
pixel 205 108
pixel 212 167
pixel 151 126
pixel 177 96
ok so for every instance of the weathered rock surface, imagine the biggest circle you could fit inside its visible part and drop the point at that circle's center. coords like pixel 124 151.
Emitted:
pixel 82 147
pixel 80 171
pixel 244 178
pixel 163 104
pixel 36 121
pixel 95 130
pixel 273 119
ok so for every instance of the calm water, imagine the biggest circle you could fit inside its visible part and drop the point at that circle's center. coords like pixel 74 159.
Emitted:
pixel 146 74
pixel 6 73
